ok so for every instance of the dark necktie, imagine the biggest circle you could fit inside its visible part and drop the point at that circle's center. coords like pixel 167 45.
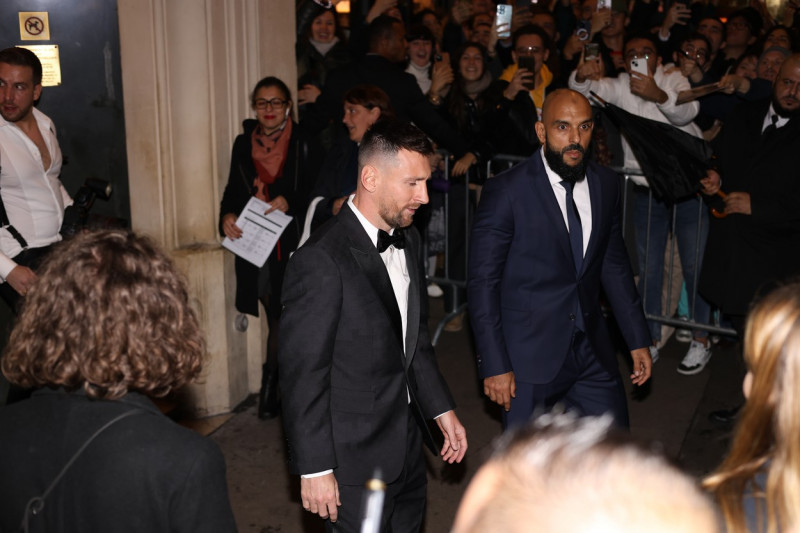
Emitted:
pixel 385 240
pixel 575 228
pixel 771 127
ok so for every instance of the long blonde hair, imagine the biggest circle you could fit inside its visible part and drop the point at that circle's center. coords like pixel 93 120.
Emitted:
pixel 768 433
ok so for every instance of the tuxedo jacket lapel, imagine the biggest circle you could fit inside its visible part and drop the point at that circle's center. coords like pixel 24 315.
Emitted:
pixel 370 262
pixel 412 326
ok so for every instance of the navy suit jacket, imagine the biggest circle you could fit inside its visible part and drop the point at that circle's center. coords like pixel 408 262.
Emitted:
pixel 523 290
pixel 343 371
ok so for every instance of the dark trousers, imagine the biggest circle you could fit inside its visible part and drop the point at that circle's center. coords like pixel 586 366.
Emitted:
pixel 404 502
pixel 582 385
pixel 31 258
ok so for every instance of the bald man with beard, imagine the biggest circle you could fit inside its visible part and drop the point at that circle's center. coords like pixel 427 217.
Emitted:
pixel 546 241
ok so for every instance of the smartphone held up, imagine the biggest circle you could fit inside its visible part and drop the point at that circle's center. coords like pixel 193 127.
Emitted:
pixel 503 21
pixel 529 64
pixel 639 65
pixel 591 51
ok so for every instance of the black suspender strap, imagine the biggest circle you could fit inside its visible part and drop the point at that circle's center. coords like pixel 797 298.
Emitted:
pixel 6 224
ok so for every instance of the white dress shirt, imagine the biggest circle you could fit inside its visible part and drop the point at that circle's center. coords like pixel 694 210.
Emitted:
pixel 33 197
pixel 580 193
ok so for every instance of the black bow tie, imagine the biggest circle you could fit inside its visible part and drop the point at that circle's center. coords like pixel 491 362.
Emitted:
pixel 385 240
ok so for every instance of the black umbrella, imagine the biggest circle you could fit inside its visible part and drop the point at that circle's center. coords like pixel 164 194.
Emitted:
pixel 672 161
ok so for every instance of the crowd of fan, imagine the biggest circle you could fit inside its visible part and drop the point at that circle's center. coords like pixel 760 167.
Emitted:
pixel 480 83
pixel 480 88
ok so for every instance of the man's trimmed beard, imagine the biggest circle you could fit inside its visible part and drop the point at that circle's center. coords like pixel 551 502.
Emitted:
pixel 555 159
pixel 393 219
pixel 781 111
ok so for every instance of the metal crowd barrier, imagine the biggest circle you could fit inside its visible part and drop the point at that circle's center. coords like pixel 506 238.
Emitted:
pixel 445 280
pixel 503 162
pixel 714 326
pixel 498 164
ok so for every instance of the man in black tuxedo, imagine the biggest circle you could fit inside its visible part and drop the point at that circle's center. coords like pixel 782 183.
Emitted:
pixel 545 243
pixel 357 369
pixel 757 244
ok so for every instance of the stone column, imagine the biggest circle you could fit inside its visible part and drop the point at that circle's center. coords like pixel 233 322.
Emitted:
pixel 188 67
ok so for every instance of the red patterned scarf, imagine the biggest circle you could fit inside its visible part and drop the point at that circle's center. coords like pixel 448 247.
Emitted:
pixel 269 156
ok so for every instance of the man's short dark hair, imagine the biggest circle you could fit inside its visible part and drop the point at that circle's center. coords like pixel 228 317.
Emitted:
pixel 751 17
pixel 22 57
pixel 715 19
pixel 388 136
pixel 696 36
pixel 531 29
pixel 379 30
pixel 650 37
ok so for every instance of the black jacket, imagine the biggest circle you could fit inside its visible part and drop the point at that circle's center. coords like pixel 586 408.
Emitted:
pixel 747 255
pixel 345 377
pixel 144 473
pixel 299 171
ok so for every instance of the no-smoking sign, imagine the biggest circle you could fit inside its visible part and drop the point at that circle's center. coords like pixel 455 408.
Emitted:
pixel 34 26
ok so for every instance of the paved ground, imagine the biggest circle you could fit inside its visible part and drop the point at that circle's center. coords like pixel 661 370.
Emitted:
pixel 671 413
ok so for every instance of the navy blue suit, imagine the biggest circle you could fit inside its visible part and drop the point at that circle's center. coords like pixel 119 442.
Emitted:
pixel 524 293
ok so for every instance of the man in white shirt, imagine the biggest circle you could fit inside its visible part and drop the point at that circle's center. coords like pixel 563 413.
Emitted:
pixel 32 195
pixel 652 93
pixel 358 375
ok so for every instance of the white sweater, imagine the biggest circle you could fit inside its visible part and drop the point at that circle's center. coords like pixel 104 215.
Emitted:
pixel 617 91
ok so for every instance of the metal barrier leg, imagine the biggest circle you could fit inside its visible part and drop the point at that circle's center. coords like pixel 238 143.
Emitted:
pixel 457 223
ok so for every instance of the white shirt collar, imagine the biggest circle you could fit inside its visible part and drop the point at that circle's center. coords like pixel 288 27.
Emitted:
pixel 781 122
pixel 372 231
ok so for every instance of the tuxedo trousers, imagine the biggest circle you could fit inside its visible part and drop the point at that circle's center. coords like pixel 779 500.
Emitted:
pixel 405 497
pixel 582 385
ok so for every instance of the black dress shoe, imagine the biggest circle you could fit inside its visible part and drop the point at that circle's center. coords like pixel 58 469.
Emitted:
pixel 268 405
pixel 724 416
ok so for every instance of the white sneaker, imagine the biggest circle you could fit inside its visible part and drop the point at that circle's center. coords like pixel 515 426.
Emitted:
pixel 696 359
pixel 654 354
pixel 684 334
pixel 434 291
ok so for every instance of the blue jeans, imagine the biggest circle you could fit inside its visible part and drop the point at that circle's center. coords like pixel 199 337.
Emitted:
pixel 691 216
